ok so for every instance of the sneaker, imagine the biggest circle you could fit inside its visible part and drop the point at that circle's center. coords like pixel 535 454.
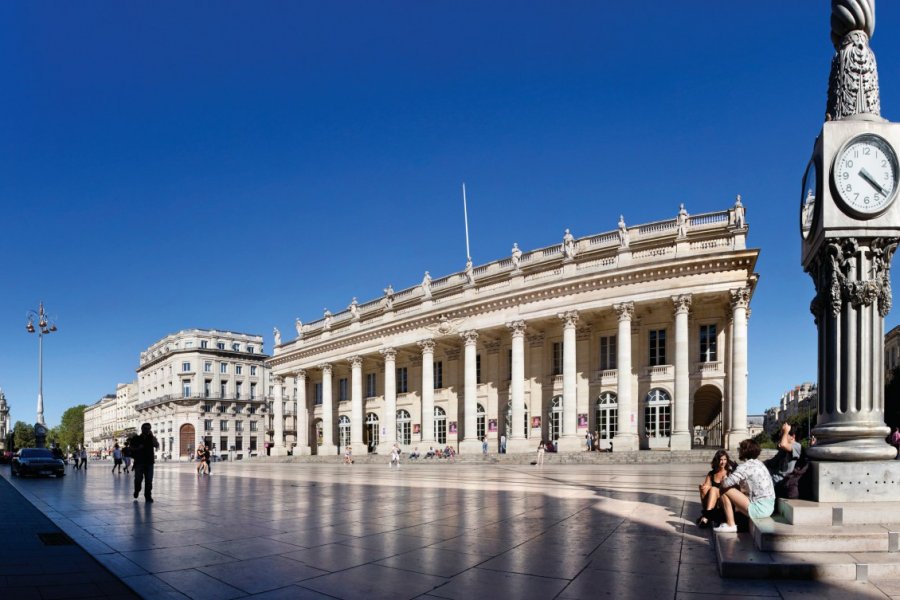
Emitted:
pixel 726 528
pixel 149 499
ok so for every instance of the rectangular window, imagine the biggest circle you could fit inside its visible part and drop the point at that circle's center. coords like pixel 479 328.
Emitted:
pixel 239 443
pixel 370 385
pixel 207 367
pixel 223 390
pixel 252 425
pixel 204 344
pixel 185 367
pixel 207 425
pixel 253 391
pixel 236 347
pixel 238 369
pixel 708 344
pixel 477 368
pixel 207 408
pixel 223 425
pixel 223 367
pixel 251 409
pixel 221 407
pixel 657 347
pixel 402 383
pixel 607 352
pixel 186 388
pixel 318 393
pixel 252 444
pixel 343 396
pixel 237 389
pixel 252 371
pixel 238 425
pixel 220 345
pixel 250 349
pixel 207 384
pixel 557 358
pixel 438 375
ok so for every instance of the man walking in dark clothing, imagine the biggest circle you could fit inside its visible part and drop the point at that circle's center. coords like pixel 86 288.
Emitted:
pixel 142 450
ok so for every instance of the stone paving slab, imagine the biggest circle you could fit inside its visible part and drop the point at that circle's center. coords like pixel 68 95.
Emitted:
pixel 465 530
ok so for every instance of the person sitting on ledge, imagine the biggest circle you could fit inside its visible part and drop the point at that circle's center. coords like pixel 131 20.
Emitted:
pixel 759 503
pixel 721 467
pixel 414 454
pixel 430 453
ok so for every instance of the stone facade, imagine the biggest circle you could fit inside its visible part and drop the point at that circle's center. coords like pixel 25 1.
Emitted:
pixel 100 425
pixel 5 424
pixel 801 398
pixel 639 333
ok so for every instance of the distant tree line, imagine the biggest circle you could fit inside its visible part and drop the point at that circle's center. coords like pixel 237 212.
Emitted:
pixel 68 434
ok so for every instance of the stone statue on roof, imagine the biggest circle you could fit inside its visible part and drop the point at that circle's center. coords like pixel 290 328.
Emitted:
pixel 568 245
pixel 426 285
pixel 516 256
pixel 298 325
pixel 682 221
pixel 624 236
pixel 277 335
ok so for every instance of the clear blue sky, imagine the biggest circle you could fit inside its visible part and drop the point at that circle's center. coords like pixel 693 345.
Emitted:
pixel 168 165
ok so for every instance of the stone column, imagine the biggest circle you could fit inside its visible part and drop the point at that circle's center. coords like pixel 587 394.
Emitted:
pixel 302 448
pixel 626 436
pixel 740 300
pixel 278 448
pixel 681 430
pixel 356 407
pixel 389 433
pixel 470 443
pixel 327 448
pixel 427 347
pixel 569 441
pixel 517 441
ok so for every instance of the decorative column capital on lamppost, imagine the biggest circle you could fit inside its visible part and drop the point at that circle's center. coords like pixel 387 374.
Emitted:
pixel 45 326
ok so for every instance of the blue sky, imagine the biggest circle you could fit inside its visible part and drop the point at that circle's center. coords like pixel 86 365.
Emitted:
pixel 167 165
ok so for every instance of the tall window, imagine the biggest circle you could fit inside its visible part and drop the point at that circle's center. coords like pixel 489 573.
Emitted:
pixel 343 396
pixel 479 421
pixel 404 428
pixel 508 424
pixel 555 418
pixel 185 367
pixel 438 375
pixel 658 414
pixel 557 358
pixel 220 345
pixel 236 347
pixel 223 425
pixel 253 391
pixel 343 431
pixel 239 425
pixel 204 344
pixel 223 389
pixel 402 382
pixel 318 393
pixel 708 344
pixel 253 426
pixel 223 367
pixel 370 385
pixel 207 384
pixel 207 367
pixel 252 371
pixel 237 389
pixel 372 431
pixel 657 347
pixel 238 369
pixel 607 352
pixel 477 368
pixel 607 415
pixel 186 388
pixel 440 425
pixel 207 425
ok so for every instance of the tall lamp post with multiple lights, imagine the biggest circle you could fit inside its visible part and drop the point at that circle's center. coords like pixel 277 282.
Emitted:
pixel 44 327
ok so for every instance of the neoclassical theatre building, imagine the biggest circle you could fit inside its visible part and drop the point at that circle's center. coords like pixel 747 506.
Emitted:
pixel 639 333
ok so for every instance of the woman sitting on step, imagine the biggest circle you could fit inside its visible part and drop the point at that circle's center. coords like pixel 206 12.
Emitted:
pixel 759 500
pixel 710 489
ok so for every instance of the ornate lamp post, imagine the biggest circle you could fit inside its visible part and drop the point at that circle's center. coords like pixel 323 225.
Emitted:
pixel 45 326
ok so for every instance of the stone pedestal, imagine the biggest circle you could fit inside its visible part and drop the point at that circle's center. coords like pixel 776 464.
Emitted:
pixel 278 451
pixel 521 445
pixel 858 481
pixel 569 444
pixel 470 447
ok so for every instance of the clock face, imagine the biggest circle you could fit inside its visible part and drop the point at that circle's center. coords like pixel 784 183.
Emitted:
pixel 808 198
pixel 865 175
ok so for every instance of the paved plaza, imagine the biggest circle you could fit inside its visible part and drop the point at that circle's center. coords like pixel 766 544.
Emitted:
pixel 433 530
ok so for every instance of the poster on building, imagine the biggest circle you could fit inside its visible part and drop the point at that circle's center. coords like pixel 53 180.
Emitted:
pixel 582 420
pixel 535 422
pixel 492 425
pixel 453 427
pixel 417 429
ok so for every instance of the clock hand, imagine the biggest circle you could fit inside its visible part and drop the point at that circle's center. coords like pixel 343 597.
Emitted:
pixel 871 181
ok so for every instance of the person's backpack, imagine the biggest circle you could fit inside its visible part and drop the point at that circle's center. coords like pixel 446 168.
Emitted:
pixel 797 483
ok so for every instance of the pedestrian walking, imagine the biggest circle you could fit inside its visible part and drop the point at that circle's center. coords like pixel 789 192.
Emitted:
pixel 484 445
pixel 126 456
pixel 117 458
pixel 144 452
pixel 540 454
pixel 395 456
pixel 84 458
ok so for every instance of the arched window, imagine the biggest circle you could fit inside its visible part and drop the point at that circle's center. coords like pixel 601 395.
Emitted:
pixel 658 414
pixel 607 415
pixel 372 431
pixel 479 422
pixel 440 425
pixel 344 431
pixel 555 418
pixel 508 425
pixel 404 429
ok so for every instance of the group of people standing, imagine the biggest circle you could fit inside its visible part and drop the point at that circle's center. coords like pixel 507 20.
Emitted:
pixel 204 460
pixel 751 487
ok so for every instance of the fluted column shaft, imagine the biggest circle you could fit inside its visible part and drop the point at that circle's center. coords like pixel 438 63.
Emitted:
pixel 569 441
pixel 626 436
pixel 278 448
pixel 427 347
pixel 681 435
pixel 356 404
pixel 740 299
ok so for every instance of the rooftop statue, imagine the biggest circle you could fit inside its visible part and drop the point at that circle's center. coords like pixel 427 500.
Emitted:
pixel 277 336
pixel 568 245
pixel 682 221
pixel 624 237
pixel 516 256
pixel 853 83
pixel 426 285
pixel 298 325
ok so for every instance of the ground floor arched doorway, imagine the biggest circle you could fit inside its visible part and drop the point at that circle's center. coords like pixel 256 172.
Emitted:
pixel 186 437
pixel 707 423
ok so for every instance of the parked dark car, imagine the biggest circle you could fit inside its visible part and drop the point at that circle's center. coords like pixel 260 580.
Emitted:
pixel 37 461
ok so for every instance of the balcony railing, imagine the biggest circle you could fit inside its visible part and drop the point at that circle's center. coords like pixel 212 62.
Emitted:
pixel 606 375
pixel 659 371
pixel 710 368
pixel 199 397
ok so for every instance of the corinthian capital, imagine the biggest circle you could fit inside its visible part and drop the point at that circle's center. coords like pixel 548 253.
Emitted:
pixel 470 337
pixel 569 318
pixel 389 353
pixel 356 361
pixel 740 298
pixel 517 328
pixel 624 310
pixel 426 345
pixel 278 380
pixel 301 375
pixel 682 303
pixel 326 369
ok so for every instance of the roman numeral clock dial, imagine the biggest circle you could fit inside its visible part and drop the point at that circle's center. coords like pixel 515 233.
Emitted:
pixel 865 175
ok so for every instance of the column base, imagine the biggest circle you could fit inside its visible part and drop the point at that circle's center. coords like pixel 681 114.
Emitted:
pixel 680 441
pixel 470 447
pixel 626 442
pixel 302 451
pixel 359 449
pixel 521 445
pixel 736 437
pixel 871 481
pixel 570 444
pixel 328 450
pixel 278 451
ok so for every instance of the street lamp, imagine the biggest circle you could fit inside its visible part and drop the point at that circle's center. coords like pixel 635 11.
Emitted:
pixel 45 326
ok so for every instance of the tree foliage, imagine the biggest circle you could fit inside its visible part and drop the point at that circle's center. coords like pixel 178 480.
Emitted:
pixel 23 435
pixel 71 427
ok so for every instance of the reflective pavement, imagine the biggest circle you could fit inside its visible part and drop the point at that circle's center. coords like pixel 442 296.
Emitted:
pixel 428 530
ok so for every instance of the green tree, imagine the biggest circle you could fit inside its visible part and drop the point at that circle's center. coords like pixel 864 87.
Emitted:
pixel 53 436
pixel 23 435
pixel 71 427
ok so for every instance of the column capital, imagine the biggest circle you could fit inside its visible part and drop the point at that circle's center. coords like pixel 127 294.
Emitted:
pixel 624 310
pixel 517 328
pixel 300 374
pixel 470 336
pixel 427 345
pixel 278 380
pixel 682 303
pixel 326 369
pixel 740 298
pixel 356 361
pixel 389 353
pixel 569 318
